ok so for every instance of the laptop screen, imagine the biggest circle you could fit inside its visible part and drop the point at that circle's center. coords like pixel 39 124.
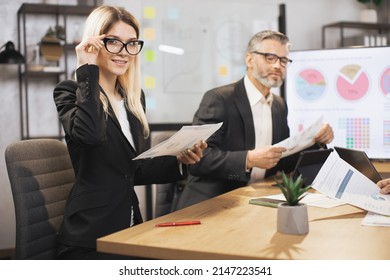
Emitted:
pixel 309 164
pixel 359 160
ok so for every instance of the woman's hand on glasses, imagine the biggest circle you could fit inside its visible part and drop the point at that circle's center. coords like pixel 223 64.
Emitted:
pixel 88 50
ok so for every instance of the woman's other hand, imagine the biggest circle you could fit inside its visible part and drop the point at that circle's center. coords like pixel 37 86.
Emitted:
pixel 192 155
pixel 384 185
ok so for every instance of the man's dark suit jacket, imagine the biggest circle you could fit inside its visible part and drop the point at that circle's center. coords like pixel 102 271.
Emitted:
pixel 103 193
pixel 223 166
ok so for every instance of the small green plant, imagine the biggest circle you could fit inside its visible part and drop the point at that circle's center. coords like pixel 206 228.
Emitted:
pixel 57 32
pixel 371 3
pixel 292 190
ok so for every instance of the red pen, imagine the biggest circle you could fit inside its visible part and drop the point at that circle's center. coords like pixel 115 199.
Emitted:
pixel 174 224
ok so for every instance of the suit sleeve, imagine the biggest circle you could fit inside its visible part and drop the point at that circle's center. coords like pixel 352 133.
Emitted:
pixel 219 161
pixel 79 107
pixel 158 170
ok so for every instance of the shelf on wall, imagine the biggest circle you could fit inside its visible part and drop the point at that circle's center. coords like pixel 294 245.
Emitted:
pixel 29 8
pixel 60 71
pixel 381 28
pixel 359 25
pixel 43 73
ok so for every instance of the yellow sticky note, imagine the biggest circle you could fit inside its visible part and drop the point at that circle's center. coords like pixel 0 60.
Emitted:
pixel 149 33
pixel 150 55
pixel 150 82
pixel 223 71
pixel 149 12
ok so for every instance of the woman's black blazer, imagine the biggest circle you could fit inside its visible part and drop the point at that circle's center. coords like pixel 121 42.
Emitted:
pixel 103 193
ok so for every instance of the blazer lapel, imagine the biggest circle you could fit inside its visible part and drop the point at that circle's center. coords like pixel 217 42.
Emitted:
pixel 136 132
pixel 112 116
pixel 244 108
pixel 276 110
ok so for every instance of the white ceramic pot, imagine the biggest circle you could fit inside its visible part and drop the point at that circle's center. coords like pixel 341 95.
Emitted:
pixel 54 2
pixel 292 219
pixel 369 16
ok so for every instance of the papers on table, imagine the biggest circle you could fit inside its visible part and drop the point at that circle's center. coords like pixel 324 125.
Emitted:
pixel 312 199
pixel 340 180
pixel 185 138
pixel 374 219
pixel 301 140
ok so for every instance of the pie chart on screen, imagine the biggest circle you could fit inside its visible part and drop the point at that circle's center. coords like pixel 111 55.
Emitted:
pixel 352 82
pixel 310 84
pixel 385 83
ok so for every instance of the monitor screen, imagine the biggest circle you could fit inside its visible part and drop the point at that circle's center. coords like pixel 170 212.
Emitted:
pixel 350 87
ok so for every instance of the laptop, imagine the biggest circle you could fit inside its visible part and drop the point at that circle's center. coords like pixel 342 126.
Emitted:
pixel 309 164
pixel 359 160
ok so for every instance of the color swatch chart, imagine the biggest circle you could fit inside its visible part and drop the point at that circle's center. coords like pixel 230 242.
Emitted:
pixel 357 131
pixel 386 133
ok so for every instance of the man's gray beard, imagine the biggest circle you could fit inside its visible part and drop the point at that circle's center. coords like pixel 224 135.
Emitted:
pixel 269 84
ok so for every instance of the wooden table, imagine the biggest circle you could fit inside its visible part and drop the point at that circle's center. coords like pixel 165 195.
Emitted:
pixel 231 228
pixel 383 167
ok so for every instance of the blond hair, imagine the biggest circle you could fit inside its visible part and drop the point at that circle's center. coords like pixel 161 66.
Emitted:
pixel 100 21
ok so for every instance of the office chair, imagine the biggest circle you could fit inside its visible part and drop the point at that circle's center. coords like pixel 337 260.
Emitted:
pixel 167 196
pixel 41 176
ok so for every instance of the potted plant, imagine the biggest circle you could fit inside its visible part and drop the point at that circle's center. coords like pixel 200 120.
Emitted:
pixel 51 44
pixel 292 215
pixel 369 14
pixel 370 4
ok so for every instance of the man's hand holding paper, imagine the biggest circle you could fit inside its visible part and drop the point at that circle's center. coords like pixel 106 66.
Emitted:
pixel 319 132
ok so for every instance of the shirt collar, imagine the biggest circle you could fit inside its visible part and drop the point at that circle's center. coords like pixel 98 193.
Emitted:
pixel 254 95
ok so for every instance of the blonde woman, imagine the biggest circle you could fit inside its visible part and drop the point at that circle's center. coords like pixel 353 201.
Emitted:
pixel 102 113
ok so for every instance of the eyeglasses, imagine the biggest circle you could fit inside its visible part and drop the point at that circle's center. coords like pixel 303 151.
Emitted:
pixel 273 58
pixel 115 46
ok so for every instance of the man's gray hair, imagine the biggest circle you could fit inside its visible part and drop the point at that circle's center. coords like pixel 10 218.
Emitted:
pixel 259 37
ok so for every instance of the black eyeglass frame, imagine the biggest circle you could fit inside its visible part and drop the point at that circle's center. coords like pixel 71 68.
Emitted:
pixel 124 45
pixel 284 61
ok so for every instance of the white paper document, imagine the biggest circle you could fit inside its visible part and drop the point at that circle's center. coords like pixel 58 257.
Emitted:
pixel 375 219
pixel 302 139
pixel 313 199
pixel 340 180
pixel 185 138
